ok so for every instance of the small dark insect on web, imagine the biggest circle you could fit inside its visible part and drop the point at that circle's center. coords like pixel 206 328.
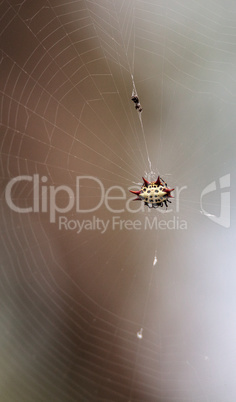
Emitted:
pixel 136 101
pixel 135 98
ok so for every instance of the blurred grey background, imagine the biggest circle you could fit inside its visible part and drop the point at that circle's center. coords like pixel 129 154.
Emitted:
pixel 145 311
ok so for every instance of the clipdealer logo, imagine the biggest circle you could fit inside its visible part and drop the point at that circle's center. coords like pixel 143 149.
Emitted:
pixel 45 199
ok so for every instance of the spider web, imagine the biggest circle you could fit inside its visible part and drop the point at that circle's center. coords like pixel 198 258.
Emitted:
pixel 128 311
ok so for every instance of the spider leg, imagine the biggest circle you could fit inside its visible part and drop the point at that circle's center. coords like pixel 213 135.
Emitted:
pixel 163 182
pixel 147 204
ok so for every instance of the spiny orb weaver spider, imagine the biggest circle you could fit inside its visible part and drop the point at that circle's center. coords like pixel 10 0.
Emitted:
pixel 154 194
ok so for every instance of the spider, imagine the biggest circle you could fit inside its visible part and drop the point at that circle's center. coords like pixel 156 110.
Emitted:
pixel 154 194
